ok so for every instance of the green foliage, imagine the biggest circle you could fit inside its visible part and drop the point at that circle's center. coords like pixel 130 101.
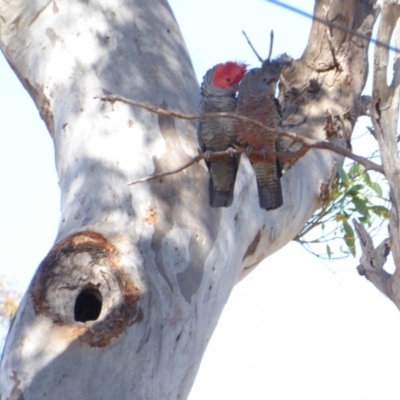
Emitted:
pixel 353 195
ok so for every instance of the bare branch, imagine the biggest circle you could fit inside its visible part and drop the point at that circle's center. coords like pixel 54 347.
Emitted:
pixel 332 49
pixel 289 157
pixel 271 45
pixel 324 145
pixel 194 160
pixel 252 47
pixel 306 142
pixel 112 98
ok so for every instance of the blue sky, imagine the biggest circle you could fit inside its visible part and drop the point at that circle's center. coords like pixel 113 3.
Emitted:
pixel 296 327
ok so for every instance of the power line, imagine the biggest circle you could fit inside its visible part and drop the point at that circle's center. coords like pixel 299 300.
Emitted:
pixel 333 25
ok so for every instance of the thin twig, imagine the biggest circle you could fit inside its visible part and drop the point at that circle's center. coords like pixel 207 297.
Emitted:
pixel 112 98
pixel 307 142
pixel 367 164
pixel 332 49
pixel 291 157
pixel 271 45
pixel 252 47
pixel 175 171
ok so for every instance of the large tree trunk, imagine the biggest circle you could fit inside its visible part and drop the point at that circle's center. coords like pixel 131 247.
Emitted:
pixel 385 115
pixel 126 300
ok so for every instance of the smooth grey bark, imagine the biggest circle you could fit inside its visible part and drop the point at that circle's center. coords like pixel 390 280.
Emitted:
pixel 125 302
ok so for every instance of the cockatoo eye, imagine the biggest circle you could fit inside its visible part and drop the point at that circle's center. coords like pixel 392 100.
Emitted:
pixel 228 79
pixel 268 81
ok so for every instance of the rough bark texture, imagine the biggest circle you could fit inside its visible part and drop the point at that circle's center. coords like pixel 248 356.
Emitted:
pixel 385 113
pixel 125 302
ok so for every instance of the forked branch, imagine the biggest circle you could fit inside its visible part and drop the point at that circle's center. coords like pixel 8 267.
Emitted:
pixel 253 48
pixel 373 259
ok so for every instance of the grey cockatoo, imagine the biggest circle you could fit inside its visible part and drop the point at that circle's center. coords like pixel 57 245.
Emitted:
pixel 256 100
pixel 218 94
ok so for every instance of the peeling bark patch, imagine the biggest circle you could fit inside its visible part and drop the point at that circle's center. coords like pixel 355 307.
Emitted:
pixel 42 103
pixel 45 112
pixel 250 267
pixel 82 288
pixel 150 217
pixel 16 393
pixel 326 186
pixel 333 125
pixel 253 246
pixel 39 12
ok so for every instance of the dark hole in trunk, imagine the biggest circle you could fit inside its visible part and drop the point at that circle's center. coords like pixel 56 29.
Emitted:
pixel 88 305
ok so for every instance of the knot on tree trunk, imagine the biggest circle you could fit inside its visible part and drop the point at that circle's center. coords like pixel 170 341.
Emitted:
pixel 81 287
